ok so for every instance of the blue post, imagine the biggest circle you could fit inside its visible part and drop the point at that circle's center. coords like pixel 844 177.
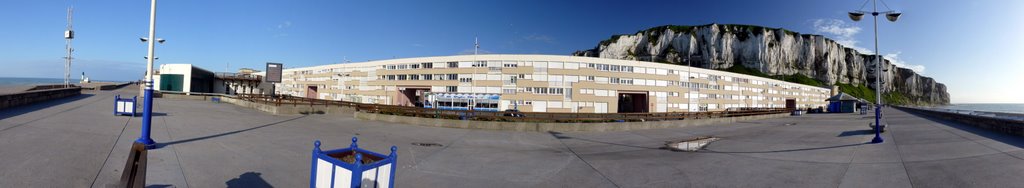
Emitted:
pixel 394 163
pixel 312 172
pixel 147 116
pixel 878 125
pixel 357 173
pixel 116 98
pixel 135 101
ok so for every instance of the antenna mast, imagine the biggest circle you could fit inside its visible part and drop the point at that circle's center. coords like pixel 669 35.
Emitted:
pixel 68 35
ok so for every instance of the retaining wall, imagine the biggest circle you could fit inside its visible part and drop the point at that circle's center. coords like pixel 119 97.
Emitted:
pixel 1012 127
pixel 268 108
pixel 29 97
pixel 557 127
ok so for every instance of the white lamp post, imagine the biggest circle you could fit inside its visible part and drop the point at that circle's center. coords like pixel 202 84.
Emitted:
pixel 891 16
pixel 147 108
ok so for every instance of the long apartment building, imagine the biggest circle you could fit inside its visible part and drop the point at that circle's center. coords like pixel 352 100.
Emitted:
pixel 544 83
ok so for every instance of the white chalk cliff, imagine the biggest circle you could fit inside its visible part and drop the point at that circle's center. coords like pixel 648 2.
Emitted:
pixel 769 50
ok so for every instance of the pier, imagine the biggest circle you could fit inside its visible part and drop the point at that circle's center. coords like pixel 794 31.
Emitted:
pixel 77 142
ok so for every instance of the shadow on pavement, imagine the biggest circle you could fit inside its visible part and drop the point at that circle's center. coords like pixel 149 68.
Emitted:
pixel 248 180
pixel 559 135
pixel 160 145
pixel 159 186
pixel 788 150
pixel 11 112
pixel 857 132
pixel 1013 140
pixel 15 111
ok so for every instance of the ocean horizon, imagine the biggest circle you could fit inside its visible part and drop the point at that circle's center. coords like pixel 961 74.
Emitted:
pixel 24 81
pixel 1017 108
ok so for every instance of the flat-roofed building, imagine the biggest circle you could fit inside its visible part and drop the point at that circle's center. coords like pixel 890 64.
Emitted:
pixel 544 83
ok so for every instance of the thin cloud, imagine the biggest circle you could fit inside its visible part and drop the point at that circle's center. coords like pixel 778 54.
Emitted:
pixel 843 33
pixel 539 38
pixel 286 24
pixel 470 52
pixel 894 58
pixel 840 31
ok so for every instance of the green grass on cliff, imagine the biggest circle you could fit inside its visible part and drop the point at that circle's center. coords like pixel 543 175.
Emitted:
pixel 859 91
pixel 863 92
pixel 795 78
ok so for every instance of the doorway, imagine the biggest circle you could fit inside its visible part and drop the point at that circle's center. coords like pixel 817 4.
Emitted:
pixel 411 96
pixel 311 92
pixel 633 102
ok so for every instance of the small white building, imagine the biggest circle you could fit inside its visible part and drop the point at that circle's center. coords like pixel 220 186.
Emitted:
pixel 183 78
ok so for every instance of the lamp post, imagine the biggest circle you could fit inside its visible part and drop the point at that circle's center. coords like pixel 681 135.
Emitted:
pixel 147 105
pixel 891 16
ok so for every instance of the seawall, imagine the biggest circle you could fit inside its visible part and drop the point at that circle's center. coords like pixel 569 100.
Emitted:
pixel 36 95
pixel 1003 125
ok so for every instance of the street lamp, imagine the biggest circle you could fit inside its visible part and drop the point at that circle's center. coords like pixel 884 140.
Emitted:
pixel 891 16
pixel 147 105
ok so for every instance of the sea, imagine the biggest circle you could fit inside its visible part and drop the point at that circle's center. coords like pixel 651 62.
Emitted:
pixel 12 81
pixel 1015 108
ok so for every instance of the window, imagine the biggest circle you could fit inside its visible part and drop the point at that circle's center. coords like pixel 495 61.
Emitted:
pixel 391 77
pixel 614 81
pixel 508 91
pixel 402 77
pixel 427 65
pixel 453 76
pixel 414 66
pixel 400 67
pixel 465 80
pixel 480 64
pixel 414 77
pixel 428 77
pixel 590 78
pixel 521 76
pixel 615 68
pixel 511 65
pixel 452 88
pixel 453 65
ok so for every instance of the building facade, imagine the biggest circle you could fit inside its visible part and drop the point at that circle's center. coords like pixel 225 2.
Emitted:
pixel 544 83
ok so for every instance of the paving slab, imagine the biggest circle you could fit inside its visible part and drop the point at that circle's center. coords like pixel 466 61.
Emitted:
pixel 77 142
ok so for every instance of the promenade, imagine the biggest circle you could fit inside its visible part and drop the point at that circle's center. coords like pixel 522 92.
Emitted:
pixel 77 142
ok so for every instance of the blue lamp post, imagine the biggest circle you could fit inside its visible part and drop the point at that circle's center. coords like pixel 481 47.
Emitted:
pixel 891 16
pixel 147 105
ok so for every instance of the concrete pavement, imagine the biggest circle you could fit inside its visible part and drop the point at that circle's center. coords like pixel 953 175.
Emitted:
pixel 77 142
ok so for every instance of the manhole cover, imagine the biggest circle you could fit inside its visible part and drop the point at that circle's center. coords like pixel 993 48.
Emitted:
pixel 425 144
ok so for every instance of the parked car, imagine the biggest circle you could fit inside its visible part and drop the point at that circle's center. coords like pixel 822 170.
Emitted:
pixel 513 113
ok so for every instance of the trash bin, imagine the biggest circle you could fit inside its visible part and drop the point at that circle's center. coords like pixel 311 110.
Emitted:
pixel 125 106
pixel 339 167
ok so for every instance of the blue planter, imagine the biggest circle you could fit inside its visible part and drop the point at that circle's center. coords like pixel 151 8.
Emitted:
pixel 369 169
pixel 125 106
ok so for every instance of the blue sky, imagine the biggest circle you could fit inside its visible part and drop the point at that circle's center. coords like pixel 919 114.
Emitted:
pixel 971 46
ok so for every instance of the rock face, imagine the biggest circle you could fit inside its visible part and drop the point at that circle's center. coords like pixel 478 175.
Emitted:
pixel 770 50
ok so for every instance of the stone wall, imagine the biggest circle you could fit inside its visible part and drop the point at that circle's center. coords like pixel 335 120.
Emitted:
pixel 1013 127
pixel 29 97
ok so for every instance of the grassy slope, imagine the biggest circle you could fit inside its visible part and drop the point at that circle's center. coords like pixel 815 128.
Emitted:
pixel 859 91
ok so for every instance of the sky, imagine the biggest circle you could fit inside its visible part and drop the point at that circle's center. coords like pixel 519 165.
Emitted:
pixel 973 47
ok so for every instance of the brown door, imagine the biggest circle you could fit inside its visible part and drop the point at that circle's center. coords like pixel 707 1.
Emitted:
pixel 311 92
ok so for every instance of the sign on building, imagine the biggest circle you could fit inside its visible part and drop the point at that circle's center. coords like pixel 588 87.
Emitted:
pixel 273 72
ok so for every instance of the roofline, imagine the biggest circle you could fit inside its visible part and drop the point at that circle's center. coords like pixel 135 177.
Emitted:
pixel 547 57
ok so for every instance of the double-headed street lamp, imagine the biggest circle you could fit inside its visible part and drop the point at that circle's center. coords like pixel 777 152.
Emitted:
pixel 891 16
pixel 147 105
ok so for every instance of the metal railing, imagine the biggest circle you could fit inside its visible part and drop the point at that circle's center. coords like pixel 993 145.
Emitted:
pixel 508 116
